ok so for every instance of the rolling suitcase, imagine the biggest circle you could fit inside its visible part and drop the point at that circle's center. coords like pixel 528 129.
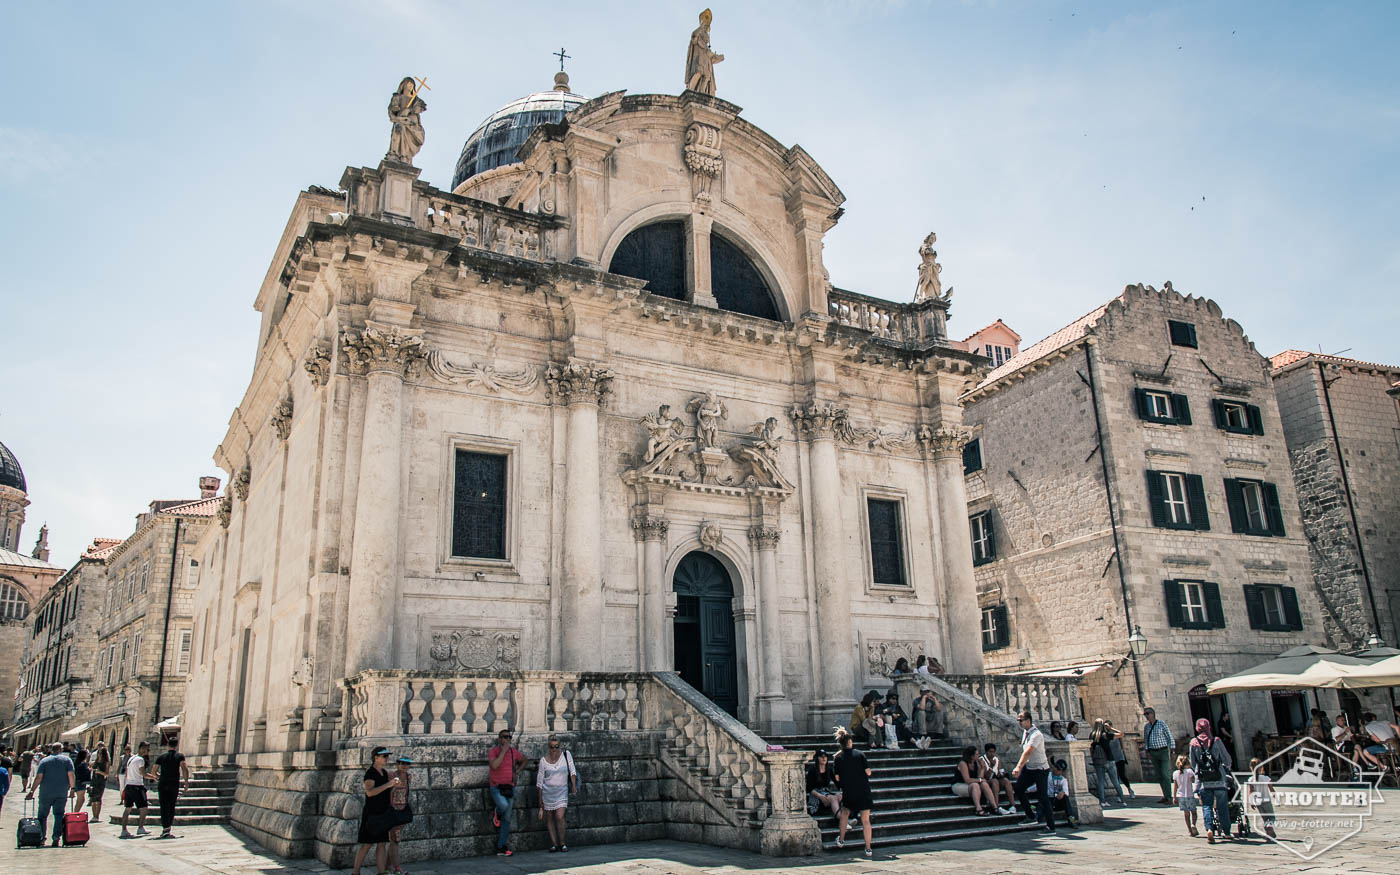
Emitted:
pixel 75 829
pixel 29 833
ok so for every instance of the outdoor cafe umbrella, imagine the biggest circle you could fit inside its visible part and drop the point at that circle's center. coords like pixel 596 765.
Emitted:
pixel 1385 673
pixel 1298 668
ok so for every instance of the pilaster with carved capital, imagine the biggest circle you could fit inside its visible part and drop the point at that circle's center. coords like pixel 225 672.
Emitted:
pixel 817 420
pixel 578 382
pixel 281 419
pixel 380 347
pixel 764 537
pixel 318 365
pixel 650 528
pixel 242 481
pixel 945 440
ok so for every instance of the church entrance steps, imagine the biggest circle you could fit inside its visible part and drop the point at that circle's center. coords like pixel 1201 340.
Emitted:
pixel 207 801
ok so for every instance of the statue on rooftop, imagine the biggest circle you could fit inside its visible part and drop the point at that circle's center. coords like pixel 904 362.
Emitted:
pixel 930 283
pixel 404 108
pixel 700 60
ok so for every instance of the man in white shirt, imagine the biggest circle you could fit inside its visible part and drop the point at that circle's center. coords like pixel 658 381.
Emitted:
pixel 134 793
pixel 1033 768
pixel 1383 735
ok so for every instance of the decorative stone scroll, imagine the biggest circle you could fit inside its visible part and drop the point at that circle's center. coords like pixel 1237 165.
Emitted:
pixel 318 365
pixel 944 440
pixel 760 453
pixel 475 649
pixel 881 654
pixel 382 347
pixel 241 481
pixel 578 381
pixel 281 419
pixel 822 419
pixel 703 157
pixel 522 381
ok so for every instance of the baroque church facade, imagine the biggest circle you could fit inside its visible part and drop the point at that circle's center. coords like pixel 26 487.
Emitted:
pixel 599 408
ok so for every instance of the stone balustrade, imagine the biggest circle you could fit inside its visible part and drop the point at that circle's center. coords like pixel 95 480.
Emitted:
pixel 913 325
pixel 1046 698
pixel 482 225
pixel 975 721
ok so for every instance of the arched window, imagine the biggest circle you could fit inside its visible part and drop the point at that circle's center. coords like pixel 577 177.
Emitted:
pixel 655 253
pixel 12 603
pixel 737 284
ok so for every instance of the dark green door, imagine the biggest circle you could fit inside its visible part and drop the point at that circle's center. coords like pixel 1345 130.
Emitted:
pixel 705 656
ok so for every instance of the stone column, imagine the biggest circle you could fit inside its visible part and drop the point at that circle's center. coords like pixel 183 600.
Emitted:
pixel 817 422
pixel 386 354
pixel 963 650
pixel 582 386
pixel 651 531
pixel 697 257
pixel 774 708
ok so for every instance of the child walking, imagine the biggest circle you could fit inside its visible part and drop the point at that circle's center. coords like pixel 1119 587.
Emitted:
pixel 1261 796
pixel 1185 780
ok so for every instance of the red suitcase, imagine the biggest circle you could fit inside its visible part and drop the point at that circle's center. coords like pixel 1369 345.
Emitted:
pixel 75 828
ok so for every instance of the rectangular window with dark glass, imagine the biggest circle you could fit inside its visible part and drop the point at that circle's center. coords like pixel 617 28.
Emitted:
pixel 1194 604
pixel 886 549
pixel 1237 417
pixel 1254 507
pixel 1168 408
pixel 1273 608
pixel 1182 333
pixel 996 631
pixel 479 506
pixel 984 542
pixel 972 456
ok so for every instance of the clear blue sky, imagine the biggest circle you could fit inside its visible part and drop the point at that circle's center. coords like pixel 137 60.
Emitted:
pixel 152 152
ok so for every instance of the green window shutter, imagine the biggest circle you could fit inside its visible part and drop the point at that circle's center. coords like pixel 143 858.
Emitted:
pixel 1175 616
pixel 972 456
pixel 1217 407
pixel 1234 499
pixel 990 523
pixel 1140 400
pixel 1003 626
pixel 1256 419
pixel 1254 605
pixel 1156 499
pixel 1291 615
pixel 1271 508
pixel 1181 410
pixel 1215 612
pixel 1196 501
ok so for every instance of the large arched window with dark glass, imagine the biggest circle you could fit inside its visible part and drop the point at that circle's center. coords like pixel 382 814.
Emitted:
pixel 655 253
pixel 736 282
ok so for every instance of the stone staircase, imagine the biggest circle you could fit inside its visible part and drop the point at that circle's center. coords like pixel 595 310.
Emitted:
pixel 208 801
pixel 913 802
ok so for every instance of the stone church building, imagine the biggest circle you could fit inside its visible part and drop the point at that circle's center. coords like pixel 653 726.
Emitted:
pixel 598 408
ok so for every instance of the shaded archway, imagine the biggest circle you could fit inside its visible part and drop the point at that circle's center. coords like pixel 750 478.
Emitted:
pixel 655 253
pixel 705 652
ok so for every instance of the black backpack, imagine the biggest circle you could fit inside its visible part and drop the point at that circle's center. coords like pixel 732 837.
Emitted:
pixel 1210 766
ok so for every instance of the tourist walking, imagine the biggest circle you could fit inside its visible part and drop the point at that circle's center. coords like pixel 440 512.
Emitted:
pixel 53 780
pixel 1260 796
pixel 821 785
pixel 1101 754
pixel 1033 768
pixel 5 765
pixel 26 764
pixel 1157 738
pixel 82 776
pixel 1211 762
pixel 101 762
pixel 853 777
pixel 968 783
pixel 505 762
pixel 400 812
pixel 1120 759
pixel 134 790
pixel 555 778
pixel 374 827
pixel 1184 781
pixel 174 776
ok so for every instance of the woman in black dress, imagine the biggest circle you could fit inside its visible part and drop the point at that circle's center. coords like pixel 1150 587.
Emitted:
pixel 374 828
pixel 853 777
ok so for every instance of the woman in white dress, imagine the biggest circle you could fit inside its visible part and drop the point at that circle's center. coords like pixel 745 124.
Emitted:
pixel 555 779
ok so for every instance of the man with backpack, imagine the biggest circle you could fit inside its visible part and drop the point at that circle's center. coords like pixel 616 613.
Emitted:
pixel 53 781
pixel 1211 763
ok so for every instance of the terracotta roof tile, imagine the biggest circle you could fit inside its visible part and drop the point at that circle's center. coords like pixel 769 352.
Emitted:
pixel 1067 335
pixel 992 325
pixel 202 507
pixel 1291 356
pixel 101 548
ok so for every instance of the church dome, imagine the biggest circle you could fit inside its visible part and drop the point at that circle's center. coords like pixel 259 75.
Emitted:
pixel 11 474
pixel 504 131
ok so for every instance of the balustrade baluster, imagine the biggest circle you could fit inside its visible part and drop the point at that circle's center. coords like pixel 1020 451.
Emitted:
pixel 439 705
pixel 416 705
pixel 461 714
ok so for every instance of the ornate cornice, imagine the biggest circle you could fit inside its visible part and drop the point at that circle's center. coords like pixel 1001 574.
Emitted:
pixel 946 440
pixel 578 382
pixel 764 537
pixel 650 528
pixel 382 348
pixel 318 365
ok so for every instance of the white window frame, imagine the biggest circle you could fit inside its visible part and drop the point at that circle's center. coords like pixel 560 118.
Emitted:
pixel 1236 415
pixel 145 575
pixel 1252 496
pixel 1174 498
pixel 1271 597
pixel 885 493
pixel 111 662
pixel 1159 404
pixel 1193 601
pixel 465 565
pixel 184 650
pixel 192 574
pixel 981 536
pixel 121 672
pixel 989 627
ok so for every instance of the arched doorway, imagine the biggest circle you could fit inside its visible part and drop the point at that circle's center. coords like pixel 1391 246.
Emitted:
pixel 704 629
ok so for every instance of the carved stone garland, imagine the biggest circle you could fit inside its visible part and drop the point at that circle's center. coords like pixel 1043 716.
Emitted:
pixel 822 419
pixel 281 419
pixel 703 158
pixel 487 376
pixel 241 481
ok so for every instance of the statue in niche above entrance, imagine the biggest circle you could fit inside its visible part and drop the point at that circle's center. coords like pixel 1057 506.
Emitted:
pixel 700 60
pixel 708 410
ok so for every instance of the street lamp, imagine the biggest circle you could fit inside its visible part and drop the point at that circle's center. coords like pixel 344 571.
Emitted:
pixel 1137 644
pixel 1374 641
pixel 121 698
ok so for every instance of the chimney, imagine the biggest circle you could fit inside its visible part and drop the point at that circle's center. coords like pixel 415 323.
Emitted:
pixel 41 546
pixel 208 487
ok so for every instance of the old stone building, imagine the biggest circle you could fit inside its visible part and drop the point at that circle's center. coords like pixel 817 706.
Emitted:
pixel 24 579
pixel 145 635
pixel 1130 472
pixel 1341 419
pixel 57 668
pixel 598 409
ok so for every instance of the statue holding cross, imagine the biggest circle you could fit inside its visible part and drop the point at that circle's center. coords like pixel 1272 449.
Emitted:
pixel 405 106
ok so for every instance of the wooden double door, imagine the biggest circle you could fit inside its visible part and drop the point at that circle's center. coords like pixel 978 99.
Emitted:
pixel 705 652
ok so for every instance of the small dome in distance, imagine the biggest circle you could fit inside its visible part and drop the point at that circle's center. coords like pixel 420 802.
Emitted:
pixel 11 474
pixel 497 139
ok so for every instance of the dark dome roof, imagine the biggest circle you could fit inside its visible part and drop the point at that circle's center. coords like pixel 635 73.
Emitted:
pixel 497 139
pixel 11 474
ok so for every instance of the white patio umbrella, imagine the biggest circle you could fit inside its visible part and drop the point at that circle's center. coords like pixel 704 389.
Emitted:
pixel 1299 668
pixel 1385 673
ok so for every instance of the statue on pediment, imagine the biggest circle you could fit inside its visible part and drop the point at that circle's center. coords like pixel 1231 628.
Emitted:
pixel 760 452
pixel 708 410
pixel 404 109
pixel 700 60
pixel 665 434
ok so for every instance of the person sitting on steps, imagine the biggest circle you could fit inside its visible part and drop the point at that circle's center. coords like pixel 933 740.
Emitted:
pixel 968 783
